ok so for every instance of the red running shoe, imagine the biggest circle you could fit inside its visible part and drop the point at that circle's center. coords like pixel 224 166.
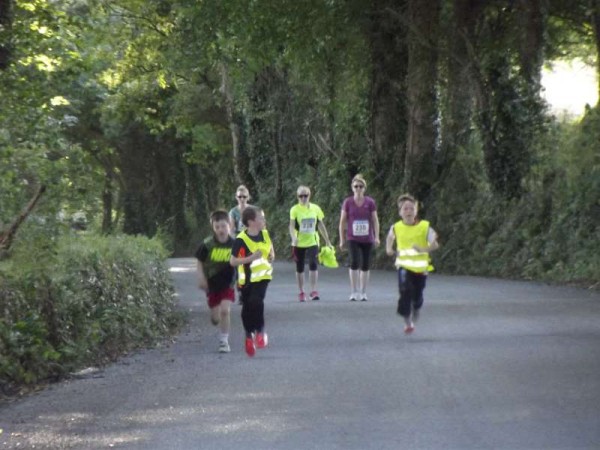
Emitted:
pixel 314 295
pixel 262 340
pixel 302 296
pixel 250 349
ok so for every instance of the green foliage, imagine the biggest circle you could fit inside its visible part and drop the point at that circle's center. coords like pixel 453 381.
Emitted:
pixel 549 234
pixel 84 301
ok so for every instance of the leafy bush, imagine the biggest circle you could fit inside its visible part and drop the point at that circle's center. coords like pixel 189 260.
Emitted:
pixel 85 301
pixel 548 234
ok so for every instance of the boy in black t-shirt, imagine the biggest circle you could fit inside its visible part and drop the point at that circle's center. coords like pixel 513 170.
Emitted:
pixel 216 276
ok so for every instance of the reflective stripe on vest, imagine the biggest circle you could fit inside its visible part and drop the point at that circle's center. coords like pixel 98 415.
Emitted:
pixel 260 269
pixel 406 255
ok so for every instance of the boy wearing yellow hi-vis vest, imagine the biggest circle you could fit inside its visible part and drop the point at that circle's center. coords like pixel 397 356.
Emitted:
pixel 415 239
pixel 253 254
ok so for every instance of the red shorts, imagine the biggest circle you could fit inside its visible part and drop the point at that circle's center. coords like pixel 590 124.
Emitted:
pixel 215 298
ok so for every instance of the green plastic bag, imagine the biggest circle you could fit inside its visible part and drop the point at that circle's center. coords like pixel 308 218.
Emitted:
pixel 327 257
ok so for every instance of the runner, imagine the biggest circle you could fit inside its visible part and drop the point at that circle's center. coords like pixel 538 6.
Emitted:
pixel 305 219
pixel 242 195
pixel 415 240
pixel 253 254
pixel 359 225
pixel 216 276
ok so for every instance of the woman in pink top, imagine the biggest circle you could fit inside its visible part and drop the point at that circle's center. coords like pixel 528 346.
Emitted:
pixel 359 225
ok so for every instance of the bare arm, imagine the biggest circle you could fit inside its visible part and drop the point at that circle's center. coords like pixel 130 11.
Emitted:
pixel 202 281
pixel 375 218
pixel 389 242
pixel 342 228
pixel 292 230
pixel 323 231
pixel 432 244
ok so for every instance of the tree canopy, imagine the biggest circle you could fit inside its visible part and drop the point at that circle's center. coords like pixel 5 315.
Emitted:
pixel 146 114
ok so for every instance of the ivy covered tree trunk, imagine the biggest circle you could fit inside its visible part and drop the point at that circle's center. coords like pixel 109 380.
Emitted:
pixel 419 172
pixel 457 114
pixel 5 27
pixel 234 127
pixel 508 93
pixel 595 16
pixel 267 113
pixel 387 102
pixel 135 164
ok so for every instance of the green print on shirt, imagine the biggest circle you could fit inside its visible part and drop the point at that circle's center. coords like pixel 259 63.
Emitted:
pixel 220 254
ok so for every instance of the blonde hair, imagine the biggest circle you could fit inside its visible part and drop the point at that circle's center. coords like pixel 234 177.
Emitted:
pixel 242 189
pixel 301 189
pixel 406 198
pixel 359 177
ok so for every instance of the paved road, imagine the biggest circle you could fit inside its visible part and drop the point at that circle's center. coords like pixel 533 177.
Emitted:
pixel 492 365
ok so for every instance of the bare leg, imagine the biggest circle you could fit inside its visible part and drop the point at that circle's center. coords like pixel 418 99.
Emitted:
pixel 225 316
pixel 354 278
pixel 300 280
pixel 364 281
pixel 313 277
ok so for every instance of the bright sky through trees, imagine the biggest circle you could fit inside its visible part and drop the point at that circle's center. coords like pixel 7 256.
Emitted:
pixel 569 86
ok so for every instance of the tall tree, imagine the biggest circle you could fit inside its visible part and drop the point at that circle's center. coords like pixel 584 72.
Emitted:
pixel 457 111
pixel 419 170
pixel 5 26
pixel 595 19
pixel 387 101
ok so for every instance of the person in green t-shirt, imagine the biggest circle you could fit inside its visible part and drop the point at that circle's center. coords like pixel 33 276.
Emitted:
pixel 305 219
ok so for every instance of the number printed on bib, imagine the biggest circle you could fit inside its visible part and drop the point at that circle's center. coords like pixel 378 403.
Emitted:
pixel 308 225
pixel 360 228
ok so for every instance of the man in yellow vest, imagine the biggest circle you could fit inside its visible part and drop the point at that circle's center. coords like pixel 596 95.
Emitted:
pixel 415 240
pixel 253 254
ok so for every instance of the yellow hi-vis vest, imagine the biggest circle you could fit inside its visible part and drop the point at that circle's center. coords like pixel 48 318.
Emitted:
pixel 406 237
pixel 260 269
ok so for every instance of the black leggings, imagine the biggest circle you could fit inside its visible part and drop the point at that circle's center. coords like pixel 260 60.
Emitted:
pixel 411 286
pixel 253 306
pixel 360 251
pixel 300 254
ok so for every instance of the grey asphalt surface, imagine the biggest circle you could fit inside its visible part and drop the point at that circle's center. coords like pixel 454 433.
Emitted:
pixel 493 364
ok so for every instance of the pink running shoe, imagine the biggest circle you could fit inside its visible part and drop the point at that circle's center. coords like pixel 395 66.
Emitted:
pixel 302 296
pixel 408 329
pixel 250 348
pixel 314 295
pixel 262 340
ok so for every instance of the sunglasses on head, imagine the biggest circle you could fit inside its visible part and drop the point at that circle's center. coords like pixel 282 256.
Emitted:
pixel 303 195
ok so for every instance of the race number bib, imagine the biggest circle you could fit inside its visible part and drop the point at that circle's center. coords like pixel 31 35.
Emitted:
pixel 360 228
pixel 308 225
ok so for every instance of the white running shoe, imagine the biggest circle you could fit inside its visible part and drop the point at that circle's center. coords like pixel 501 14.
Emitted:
pixel 224 347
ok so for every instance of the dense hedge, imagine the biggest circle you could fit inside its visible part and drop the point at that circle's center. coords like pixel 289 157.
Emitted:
pixel 85 301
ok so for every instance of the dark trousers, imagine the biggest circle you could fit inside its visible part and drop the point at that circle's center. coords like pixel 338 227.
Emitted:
pixel 411 286
pixel 253 306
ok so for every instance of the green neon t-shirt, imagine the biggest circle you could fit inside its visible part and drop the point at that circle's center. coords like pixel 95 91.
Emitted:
pixel 306 218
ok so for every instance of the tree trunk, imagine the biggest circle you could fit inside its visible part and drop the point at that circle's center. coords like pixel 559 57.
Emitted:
pixel 595 7
pixel 387 102
pixel 458 113
pixel 532 16
pixel 233 125
pixel 5 27
pixel 419 173
pixel 107 204
pixel 7 236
